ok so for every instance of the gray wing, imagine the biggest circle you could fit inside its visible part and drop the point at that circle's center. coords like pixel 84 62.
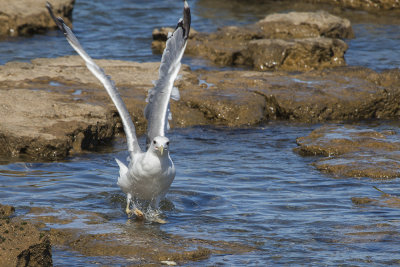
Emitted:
pixel 129 128
pixel 157 109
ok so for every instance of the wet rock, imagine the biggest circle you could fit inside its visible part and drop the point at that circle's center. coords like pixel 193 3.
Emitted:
pixel 26 17
pixel 22 244
pixel 79 231
pixel 340 94
pixel 6 211
pixel 370 5
pixel 350 151
pixel 294 41
pixel 51 108
pixel 54 107
pixel 385 200
pixel 361 200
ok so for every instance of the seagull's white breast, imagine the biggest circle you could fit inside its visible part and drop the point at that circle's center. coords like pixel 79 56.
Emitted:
pixel 149 176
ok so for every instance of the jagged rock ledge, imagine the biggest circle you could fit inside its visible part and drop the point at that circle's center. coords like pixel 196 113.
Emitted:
pixel 294 41
pixel 52 108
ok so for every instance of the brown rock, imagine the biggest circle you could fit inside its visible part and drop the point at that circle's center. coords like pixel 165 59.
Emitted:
pixel 305 25
pixel 297 54
pixel 317 96
pixel 353 152
pixel 385 200
pixel 49 125
pixel 6 211
pixel 25 17
pixel 294 41
pixel 22 244
pixel 128 240
pixel 370 5
pixel 51 108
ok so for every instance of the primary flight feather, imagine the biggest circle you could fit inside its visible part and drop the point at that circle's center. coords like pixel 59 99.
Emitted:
pixel 149 174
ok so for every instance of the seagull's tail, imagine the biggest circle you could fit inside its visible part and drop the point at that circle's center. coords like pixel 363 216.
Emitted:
pixel 123 181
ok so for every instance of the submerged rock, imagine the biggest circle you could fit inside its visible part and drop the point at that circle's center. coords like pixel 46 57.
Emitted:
pixel 293 41
pixel 385 200
pixel 78 231
pixel 21 243
pixel 25 17
pixel 351 151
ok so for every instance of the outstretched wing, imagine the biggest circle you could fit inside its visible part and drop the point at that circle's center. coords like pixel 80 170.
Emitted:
pixel 157 109
pixel 129 128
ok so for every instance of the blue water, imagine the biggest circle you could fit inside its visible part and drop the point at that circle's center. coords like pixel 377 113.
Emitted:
pixel 243 186
pixel 122 30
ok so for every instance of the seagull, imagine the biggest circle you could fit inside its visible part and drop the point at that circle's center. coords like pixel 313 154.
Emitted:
pixel 149 174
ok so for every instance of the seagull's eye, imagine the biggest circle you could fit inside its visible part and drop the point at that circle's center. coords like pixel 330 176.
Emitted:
pixel 154 142
pixel 167 143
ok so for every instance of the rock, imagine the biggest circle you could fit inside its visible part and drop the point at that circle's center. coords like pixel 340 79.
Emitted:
pixel 6 211
pixel 295 41
pixel 305 25
pixel 50 125
pixel 385 200
pixel 297 54
pixel 26 17
pixel 340 94
pixel 22 244
pixel 350 151
pixel 78 231
pixel 369 5
pixel 51 108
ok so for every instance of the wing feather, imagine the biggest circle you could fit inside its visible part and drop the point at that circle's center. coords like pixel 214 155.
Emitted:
pixel 129 127
pixel 157 109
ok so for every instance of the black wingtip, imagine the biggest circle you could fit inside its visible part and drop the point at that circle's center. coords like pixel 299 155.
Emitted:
pixel 59 21
pixel 187 19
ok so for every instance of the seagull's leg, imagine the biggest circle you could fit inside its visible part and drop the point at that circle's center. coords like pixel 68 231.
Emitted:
pixel 139 214
pixel 128 204
pixel 155 204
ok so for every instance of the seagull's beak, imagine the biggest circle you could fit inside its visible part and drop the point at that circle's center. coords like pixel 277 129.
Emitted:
pixel 161 149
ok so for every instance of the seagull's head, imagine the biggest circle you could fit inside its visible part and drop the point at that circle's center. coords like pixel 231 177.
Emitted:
pixel 160 145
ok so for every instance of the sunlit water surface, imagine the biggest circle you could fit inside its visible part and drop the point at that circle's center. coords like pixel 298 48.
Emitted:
pixel 243 185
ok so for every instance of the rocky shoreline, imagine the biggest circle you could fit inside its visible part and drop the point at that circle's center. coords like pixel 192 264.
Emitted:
pixel 61 109
pixel 295 71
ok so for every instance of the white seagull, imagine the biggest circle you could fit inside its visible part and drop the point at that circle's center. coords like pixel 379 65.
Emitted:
pixel 149 174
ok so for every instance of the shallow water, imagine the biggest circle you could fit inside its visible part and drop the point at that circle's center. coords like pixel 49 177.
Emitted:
pixel 244 186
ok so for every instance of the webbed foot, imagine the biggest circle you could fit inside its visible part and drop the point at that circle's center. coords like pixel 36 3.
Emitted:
pixel 139 214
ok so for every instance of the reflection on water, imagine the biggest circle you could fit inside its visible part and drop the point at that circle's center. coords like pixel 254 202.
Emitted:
pixel 245 186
